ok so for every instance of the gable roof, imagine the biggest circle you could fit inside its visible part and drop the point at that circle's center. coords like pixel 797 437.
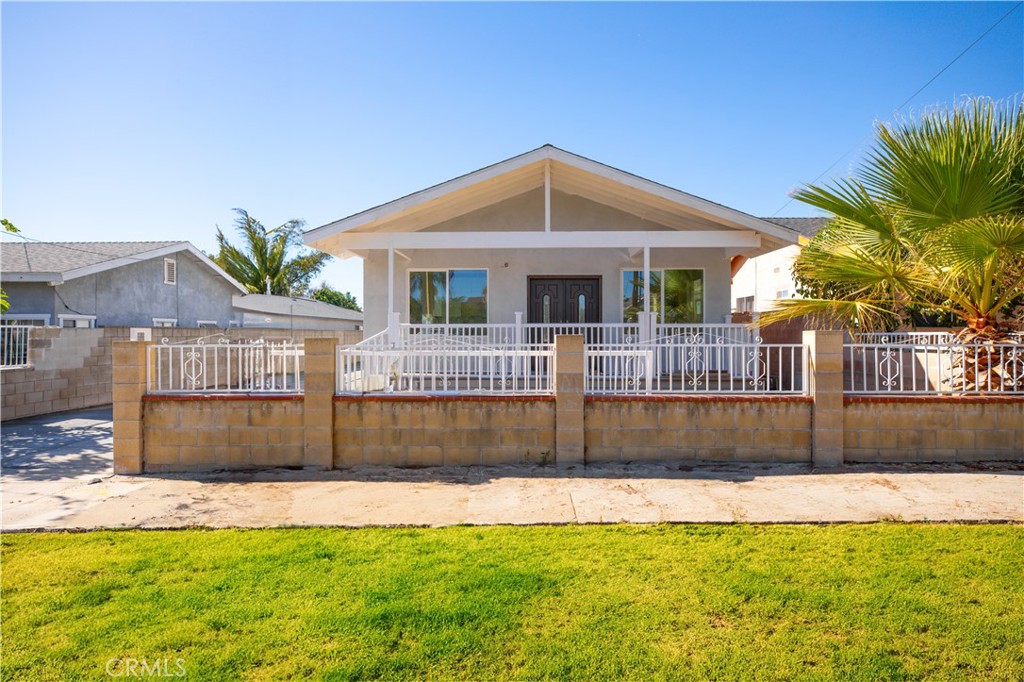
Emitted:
pixel 567 171
pixel 57 262
pixel 807 227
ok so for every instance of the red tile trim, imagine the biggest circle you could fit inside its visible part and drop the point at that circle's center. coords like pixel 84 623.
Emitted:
pixel 699 398
pixel 207 397
pixel 391 397
pixel 935 399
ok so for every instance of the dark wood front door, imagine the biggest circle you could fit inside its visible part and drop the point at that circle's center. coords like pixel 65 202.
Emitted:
pixel 564 300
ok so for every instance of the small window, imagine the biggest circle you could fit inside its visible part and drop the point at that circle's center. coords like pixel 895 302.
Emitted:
pixel 547 308
pixel 583 308
pixel 206 323
pixel 782 293
pixel 76 321
pixel 164 322
pixel 170 271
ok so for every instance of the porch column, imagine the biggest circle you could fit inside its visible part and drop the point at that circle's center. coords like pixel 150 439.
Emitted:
pixel 391 280
pixel 647 279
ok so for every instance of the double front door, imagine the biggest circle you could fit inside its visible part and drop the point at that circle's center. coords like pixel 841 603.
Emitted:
pixel 564 300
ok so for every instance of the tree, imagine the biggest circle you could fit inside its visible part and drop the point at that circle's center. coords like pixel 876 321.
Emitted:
pixel 9 227
pixel 264 257
pixel 932 221
pixel 328 294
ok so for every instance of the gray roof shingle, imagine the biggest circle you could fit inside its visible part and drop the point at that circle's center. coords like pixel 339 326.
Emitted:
pixel 39 257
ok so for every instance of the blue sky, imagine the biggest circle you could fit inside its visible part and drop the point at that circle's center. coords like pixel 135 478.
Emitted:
pixel 152 121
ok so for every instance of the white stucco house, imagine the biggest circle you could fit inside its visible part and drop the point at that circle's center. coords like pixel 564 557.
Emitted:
pixel 548 237
pixel 762 280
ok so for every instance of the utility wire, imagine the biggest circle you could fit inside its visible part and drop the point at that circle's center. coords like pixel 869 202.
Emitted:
pixel 908 100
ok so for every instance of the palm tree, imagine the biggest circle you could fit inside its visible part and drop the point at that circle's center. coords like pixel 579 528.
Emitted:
pixel 262 264
pixel 933 220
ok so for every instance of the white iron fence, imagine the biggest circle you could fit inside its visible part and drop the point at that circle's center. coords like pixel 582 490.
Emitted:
pixel 253 366
pixel 425 368
pixel 934 368
pixel 686 364
pixel 14 345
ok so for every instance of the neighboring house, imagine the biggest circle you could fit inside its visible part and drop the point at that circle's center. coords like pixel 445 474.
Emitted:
pixel 760 281
pixel 290 312
pixel 143 284
pixel 555 236
pixel 107 284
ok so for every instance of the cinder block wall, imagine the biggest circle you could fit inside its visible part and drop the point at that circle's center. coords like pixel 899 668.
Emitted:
pixel 71 368
pixel 435 431
pixel 698 428
pixel 933 429
pixel 187 433
pixel 318 429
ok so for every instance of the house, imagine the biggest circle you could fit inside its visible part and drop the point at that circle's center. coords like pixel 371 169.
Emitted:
pixel 143 284
pixel 759 281
pixel 548 237
pixel 106 284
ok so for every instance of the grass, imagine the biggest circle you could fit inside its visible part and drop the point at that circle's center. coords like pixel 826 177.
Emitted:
pixel 860 602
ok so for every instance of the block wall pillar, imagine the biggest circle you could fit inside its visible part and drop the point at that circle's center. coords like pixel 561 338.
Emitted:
pixel 129 385
pixel 825 383
pixel 569 363
pixel 318 402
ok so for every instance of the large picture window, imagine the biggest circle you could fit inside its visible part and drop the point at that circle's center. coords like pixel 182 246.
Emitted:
pixel 448 296
pixel 677 296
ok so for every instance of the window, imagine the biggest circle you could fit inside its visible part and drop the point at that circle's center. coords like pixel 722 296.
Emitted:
pixel 745 304
pixel 677 296
pixel 206 323
pixel 170 271
pixel 31 320
pixel 448 296
pixel 782 293
pixel 76 321
pixel 164 322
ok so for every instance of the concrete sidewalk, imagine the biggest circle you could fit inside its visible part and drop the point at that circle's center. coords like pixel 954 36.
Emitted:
pixel 57 474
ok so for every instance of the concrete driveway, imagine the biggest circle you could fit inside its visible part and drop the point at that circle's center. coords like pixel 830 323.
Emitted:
pixel 57 474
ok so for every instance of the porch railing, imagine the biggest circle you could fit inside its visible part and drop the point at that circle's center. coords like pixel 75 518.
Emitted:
pixel 934 368
pixel 14 345
pixel 501 370
pixel 236 367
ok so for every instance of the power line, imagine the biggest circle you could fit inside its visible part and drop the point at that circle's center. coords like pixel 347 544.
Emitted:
pixel 909 99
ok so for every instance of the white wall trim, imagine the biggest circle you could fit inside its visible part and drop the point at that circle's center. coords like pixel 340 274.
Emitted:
pixel 549 240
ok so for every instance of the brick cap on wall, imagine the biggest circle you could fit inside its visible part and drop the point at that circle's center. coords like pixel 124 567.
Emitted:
pixel 934 399
pixel 391 397
pixel 699 398
pixel 258 397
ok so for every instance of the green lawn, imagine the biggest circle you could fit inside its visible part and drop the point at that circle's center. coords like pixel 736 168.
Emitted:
pixel 864 602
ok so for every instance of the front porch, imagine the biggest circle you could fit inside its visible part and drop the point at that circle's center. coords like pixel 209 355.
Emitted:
pixel 646 357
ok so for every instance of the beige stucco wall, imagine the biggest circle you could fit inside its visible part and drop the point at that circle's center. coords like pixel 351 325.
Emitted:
pixel 509 269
